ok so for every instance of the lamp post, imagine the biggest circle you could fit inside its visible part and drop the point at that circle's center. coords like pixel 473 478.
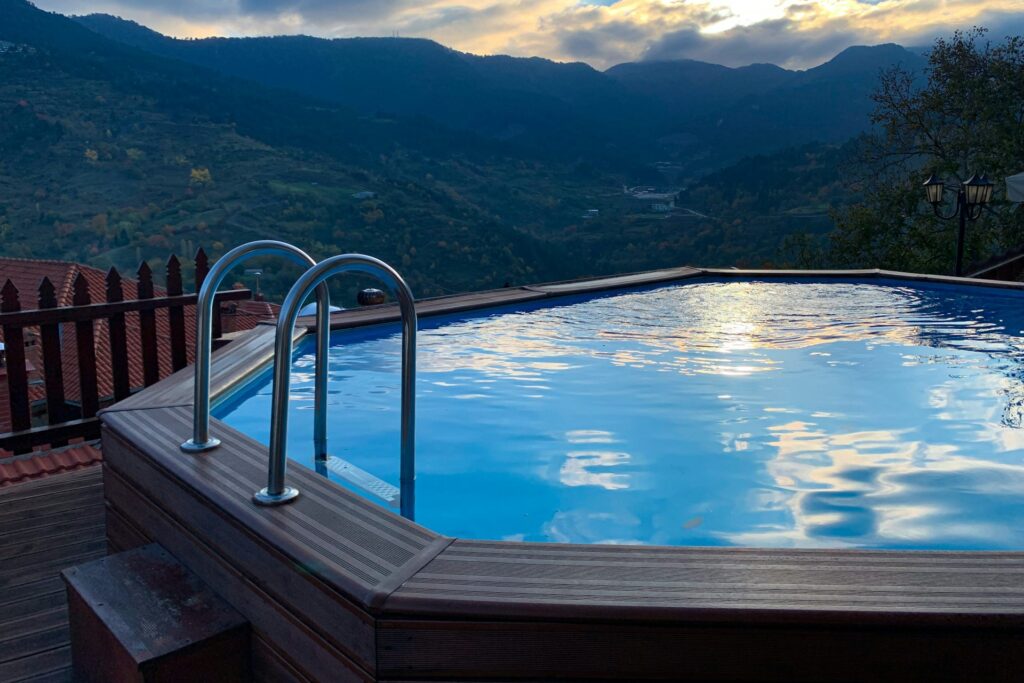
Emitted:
pixel 258 273
pixel 971 198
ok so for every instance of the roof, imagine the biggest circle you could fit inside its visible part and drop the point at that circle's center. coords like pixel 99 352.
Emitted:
pixel 39 465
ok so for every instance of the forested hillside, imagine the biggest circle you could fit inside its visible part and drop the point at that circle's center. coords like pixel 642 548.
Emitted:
pixel 111 153
pixel 700 116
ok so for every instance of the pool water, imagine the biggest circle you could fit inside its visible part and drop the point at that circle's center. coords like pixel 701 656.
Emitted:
pixel 751 413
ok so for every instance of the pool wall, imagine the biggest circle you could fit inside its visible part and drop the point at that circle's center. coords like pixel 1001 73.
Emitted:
pixel 337 588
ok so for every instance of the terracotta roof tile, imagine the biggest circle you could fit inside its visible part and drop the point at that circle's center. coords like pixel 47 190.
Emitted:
pixel 46 463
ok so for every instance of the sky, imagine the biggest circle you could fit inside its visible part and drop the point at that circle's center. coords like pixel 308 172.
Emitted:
pixel 790 33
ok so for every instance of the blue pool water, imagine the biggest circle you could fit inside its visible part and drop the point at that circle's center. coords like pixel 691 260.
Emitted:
pixel 770 413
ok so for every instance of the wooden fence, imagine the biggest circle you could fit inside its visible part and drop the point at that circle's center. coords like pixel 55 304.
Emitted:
pixel 63 422
pixel 1008 266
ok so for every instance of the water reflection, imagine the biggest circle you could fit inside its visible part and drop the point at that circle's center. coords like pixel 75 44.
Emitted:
pixel 845 488
pixel 750 413
pixel 718 328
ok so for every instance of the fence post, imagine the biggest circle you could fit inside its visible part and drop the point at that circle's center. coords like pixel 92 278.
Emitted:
pixel 147 329
pixel 176 316
pixel 53 366
pixel 118 339
pixel 17 376
pixel 86 345
pixel 202 268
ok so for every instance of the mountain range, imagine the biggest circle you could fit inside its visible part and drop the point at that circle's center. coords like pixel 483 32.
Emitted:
pixel 695 113
pixel 465 171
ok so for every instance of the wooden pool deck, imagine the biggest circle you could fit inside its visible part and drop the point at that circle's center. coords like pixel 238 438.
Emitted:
pixel 46 525
pixel 337 588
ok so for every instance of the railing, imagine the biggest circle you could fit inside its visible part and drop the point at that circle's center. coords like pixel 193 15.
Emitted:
pixel 206 313
pixel 1007 266
pixel 276 492
pixel 54 324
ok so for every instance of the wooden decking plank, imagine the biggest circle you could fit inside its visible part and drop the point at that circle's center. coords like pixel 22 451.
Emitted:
pixel 90 518
pixel 46 525
pixel 31 509
pixel 62 675
pixel 26 575
pixel 35 633
pixel 14 515
pixel 31 603
pixel 480 579
pixel 52 526
pixel 51 554
pixel 23 492
pixel 89 524
pixel 27 509
pixel 619 281
pixel 43 586
pixel 50 484
pixel 34 666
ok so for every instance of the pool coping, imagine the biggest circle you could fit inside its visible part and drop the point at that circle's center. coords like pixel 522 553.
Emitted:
pixel 419 592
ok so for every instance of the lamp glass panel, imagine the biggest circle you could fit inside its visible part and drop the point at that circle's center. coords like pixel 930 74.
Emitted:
pixel 986 191
pixel 972 191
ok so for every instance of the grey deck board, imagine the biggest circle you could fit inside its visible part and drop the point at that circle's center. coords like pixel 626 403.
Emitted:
pixel 618 281
pixel 46 525
pixel 481 579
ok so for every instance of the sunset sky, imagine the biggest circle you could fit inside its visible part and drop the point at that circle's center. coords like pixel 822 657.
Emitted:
pixel 790 33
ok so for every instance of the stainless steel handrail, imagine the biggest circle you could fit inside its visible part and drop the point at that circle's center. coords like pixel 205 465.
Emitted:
pixel 276 492
pixel 201 439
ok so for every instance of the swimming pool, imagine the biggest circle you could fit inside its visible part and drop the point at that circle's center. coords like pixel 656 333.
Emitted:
pixel 754 413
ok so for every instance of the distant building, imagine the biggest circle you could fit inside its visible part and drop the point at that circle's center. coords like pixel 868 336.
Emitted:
pixel 658 202
pixel 364 194
pixel 12 48
pixel 652 199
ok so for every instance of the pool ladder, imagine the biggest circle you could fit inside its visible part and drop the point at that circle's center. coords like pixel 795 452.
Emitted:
pixel 315 278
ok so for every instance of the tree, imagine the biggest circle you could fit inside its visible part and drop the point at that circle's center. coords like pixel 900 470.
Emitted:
pixel 200 177
pixel 965 114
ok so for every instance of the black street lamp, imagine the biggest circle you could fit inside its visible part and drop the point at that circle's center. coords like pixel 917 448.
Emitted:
pixel 971 198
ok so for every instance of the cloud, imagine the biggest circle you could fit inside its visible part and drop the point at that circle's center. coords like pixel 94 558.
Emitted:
pixel 330 10
pixel 776 41
pixel 792 33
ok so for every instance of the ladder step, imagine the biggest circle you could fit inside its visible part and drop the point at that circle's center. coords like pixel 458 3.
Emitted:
pixel 363 480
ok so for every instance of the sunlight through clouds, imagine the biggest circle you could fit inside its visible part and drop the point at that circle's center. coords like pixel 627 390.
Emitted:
pixel 791 33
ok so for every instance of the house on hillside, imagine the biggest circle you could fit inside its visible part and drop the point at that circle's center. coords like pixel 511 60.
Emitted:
pixel 650 199
pixel 27 274
pixel 8 47
pixel 656 202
